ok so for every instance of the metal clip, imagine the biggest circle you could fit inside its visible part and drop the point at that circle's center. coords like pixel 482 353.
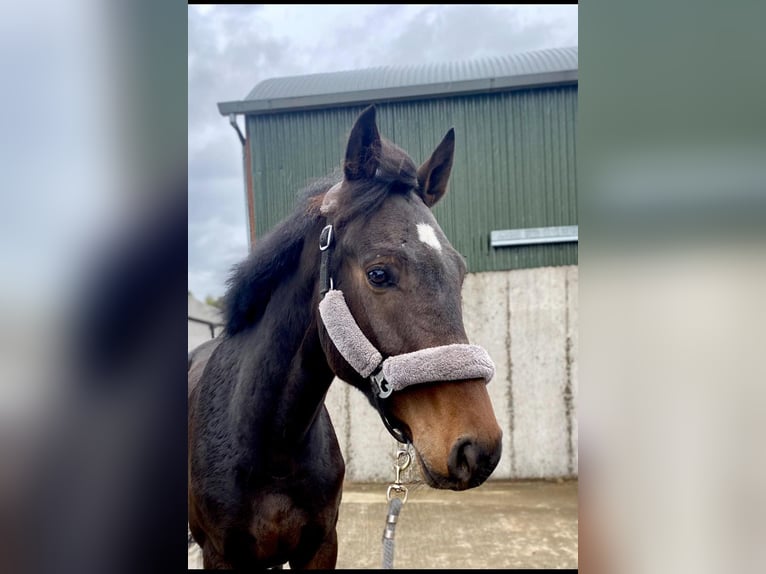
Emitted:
pixel 403 460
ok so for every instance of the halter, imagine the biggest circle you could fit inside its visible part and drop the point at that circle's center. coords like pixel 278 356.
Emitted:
pixel 443 363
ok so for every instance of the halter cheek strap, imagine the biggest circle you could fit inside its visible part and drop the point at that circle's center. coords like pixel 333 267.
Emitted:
pixel 443 363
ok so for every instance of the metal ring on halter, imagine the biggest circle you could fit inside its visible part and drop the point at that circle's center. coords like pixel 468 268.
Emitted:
pixel 380 385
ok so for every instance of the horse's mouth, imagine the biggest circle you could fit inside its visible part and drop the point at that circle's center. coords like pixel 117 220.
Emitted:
pixel 439 481
pixel 432 480
pixel 436 480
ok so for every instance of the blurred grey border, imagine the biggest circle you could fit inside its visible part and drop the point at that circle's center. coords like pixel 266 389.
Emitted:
pixel 93 252
pixel 672 177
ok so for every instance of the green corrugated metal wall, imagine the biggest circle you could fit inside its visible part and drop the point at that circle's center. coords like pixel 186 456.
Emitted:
pixel 514 166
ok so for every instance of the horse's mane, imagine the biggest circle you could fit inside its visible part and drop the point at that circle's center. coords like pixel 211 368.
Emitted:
pixel 277 253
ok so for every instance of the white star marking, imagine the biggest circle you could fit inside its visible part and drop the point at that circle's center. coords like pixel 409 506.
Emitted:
pixel 427 235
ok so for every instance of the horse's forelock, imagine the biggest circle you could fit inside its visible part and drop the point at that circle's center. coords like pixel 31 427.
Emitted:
pixel 396 173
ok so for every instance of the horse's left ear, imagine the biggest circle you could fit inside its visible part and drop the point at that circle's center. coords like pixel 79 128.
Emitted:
pixel 363 149
pixel 434 173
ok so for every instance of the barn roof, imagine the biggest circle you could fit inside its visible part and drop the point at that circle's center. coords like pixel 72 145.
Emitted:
pixel 554 66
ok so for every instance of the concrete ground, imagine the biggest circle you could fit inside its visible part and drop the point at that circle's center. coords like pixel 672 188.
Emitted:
pixel 501 524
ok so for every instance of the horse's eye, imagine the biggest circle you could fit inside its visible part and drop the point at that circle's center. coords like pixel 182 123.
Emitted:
pixel 378 276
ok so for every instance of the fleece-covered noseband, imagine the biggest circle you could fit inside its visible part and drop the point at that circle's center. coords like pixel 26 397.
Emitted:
pixel 444 363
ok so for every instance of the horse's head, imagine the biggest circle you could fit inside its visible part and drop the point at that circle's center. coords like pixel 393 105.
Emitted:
pixel 401 280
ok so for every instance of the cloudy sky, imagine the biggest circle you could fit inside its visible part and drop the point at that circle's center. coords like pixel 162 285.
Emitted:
pixel 232 48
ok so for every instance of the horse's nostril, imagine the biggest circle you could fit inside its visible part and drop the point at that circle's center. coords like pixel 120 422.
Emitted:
pixel 471 462
pixel 463 460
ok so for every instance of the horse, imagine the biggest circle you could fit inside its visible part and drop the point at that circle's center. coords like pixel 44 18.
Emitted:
pixel 361 283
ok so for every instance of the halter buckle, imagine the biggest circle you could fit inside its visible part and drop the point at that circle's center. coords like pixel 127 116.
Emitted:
pixel 325 238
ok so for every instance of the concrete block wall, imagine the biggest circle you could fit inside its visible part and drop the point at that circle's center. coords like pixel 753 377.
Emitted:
pixel 527 321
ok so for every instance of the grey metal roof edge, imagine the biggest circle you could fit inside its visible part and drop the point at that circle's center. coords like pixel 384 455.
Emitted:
pixel 445 89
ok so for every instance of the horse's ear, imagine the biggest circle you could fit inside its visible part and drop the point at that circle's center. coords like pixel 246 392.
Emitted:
pixel 434 173
pixel 363 150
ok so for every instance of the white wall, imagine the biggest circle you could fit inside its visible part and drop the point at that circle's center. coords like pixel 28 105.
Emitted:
pixel 527 321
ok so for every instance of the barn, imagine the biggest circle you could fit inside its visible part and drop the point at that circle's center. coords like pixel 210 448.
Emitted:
pixel 511 211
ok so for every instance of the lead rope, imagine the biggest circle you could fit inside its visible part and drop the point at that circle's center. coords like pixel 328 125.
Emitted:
pixel 395 504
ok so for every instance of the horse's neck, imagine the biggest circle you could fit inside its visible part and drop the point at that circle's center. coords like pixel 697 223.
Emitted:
pixel 282 386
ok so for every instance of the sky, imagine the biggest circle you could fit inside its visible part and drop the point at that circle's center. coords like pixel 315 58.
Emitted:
pixel 233 48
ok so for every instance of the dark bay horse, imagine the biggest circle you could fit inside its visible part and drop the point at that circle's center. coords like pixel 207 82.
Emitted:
pixel 265 468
